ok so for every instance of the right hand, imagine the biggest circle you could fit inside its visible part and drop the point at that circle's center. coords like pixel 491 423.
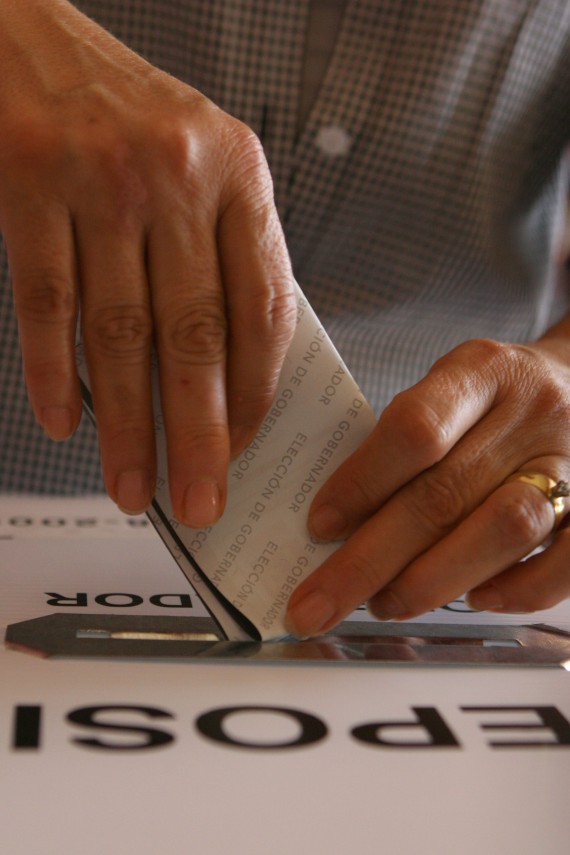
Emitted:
pixel 128 194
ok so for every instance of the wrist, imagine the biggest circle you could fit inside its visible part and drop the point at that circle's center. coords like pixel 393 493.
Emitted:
pixel 555 341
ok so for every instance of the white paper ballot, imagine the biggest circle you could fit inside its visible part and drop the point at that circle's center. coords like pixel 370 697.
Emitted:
pixel 246 567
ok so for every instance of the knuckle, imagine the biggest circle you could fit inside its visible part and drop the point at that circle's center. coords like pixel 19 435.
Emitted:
pixel 550 393
pixel 485 350
pixel 246 165
pixel 245 145
pixel 485 353
pixel 197 335
pixel 173 141
pixel 480 365
pixel 47 296
pixel 555 400
pixel 121 189
pixel 282 312
pixel 198 439
pixel 123 408
pixel 48 375
pixel 188 143
pixel 419 426
pixel 437 500
pixel 362 572
pixel 364 493
pixel 175 146
pixel 203 143
pixel 112 153
pixel 121 331
pixel 522 522
pixel 129 433
pixel 521 368
pixel 274 313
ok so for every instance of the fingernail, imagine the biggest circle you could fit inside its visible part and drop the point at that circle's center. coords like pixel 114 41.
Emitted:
pixel 240 437
pixel 386 606
pixel 485 598
pixel 57 422
pixel 327 522
pixel 133 491
pixel 309 615
pixel 201 506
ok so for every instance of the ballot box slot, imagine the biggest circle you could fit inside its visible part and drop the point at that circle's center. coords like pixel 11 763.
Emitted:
pixel 351 643
pixel 410 641
pixel 148 635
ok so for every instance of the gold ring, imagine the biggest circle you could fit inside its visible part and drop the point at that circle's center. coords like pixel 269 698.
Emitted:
pixel 555 491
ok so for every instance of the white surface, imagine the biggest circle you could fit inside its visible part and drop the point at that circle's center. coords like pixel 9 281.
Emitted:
pixel 195 795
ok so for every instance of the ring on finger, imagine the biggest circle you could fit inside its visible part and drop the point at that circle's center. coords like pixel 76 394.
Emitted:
pixel 554 491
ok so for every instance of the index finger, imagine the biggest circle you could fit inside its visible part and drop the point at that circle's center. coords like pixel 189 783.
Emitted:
pixel 190 337
pixel 415 432
pixel 259 288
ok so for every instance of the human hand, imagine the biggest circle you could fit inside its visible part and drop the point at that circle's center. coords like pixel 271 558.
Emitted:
pixel 423 503
pixel 129 195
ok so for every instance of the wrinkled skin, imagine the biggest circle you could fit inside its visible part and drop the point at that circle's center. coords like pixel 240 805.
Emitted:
pixel 422 503
pixel 130 195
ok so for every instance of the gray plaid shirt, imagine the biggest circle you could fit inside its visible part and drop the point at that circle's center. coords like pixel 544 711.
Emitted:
pixel 422 199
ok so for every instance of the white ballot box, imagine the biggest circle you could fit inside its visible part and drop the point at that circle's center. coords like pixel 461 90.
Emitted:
pixel 138 756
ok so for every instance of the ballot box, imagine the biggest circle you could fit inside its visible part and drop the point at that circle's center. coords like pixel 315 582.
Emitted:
pixel 249 756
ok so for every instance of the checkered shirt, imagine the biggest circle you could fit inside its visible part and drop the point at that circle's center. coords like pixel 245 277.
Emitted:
pixel 421 202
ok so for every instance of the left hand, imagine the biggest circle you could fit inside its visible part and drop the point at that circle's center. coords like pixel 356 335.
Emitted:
pixel 423 505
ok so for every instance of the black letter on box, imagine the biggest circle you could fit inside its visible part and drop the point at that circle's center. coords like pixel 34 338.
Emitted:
pixel 60 600
pixel 150 737
pixel 428 722
pixel 211 725
pixel 181 601
pixel 549 719
pixel 134 600
pixel 27 727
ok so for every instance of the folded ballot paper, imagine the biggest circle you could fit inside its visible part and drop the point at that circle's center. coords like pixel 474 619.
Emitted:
pixel 246 566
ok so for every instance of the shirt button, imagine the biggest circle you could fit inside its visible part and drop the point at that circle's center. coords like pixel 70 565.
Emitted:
pixel 333 140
